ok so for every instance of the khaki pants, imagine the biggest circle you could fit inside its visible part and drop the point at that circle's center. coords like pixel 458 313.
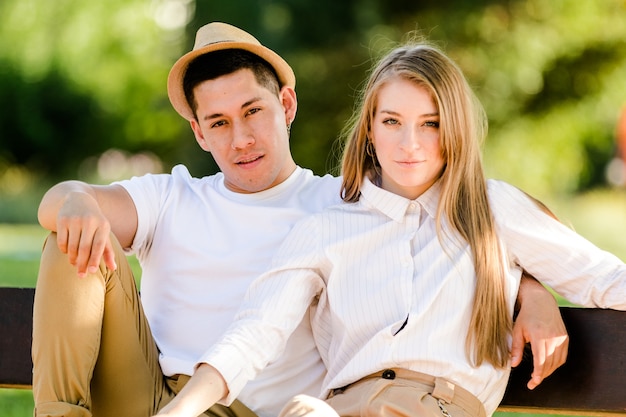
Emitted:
pixel 93 352
pixel 393 392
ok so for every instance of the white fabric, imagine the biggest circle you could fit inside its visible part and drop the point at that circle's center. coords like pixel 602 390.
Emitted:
pixel 378 263
pixel 200 246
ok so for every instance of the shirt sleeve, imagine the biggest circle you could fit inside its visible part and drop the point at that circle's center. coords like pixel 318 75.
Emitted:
pixel 149 193
pixel 555 254
pixel 273 307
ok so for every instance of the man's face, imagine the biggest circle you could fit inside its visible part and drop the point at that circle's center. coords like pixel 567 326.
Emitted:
pixel 244 126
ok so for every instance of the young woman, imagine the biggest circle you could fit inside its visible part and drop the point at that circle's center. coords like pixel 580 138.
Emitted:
pixel 413 279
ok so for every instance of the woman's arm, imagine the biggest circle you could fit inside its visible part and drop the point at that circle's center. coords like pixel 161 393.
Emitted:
pixel 274 306
pixel 205 388
pixel 555 254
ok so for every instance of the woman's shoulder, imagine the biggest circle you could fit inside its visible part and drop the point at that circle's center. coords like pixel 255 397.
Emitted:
pixel 505 198
pixel 502 191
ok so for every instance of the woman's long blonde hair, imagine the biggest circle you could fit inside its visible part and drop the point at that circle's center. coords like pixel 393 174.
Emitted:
pixel 463 204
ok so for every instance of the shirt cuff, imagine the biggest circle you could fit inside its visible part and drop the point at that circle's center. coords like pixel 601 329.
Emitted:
pixel 234 376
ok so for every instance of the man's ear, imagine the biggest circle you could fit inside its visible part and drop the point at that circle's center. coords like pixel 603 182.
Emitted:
pixel 290 102
pixel 195 126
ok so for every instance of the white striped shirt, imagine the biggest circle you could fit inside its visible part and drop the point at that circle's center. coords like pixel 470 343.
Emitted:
pixel 388 294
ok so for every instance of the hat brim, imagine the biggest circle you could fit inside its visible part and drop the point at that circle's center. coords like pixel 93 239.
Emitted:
pixel 286 76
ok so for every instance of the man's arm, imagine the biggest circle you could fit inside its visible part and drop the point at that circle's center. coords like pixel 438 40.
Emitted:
pixel 539 323
pixel 83 216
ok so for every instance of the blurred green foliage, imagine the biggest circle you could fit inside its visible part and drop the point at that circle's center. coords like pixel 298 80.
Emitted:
pixel 79 79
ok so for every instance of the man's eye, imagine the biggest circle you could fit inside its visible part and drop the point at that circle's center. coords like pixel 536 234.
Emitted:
pixel 254 110
pixel 218 123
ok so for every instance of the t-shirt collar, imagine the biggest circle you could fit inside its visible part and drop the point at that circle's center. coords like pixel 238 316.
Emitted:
pixel 268 194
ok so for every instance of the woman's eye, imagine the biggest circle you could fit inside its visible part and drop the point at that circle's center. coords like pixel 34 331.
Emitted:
pixel 432 124
pixel 390 121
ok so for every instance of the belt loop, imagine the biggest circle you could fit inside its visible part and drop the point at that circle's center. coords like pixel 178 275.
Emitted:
pixel 444 390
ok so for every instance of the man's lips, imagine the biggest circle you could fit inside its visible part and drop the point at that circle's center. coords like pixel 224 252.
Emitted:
pixel 248 160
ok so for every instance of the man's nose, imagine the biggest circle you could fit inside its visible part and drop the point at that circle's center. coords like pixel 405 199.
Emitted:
pixel 242 136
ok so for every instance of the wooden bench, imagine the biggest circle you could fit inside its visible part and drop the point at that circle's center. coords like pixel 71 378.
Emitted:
pixel 591 383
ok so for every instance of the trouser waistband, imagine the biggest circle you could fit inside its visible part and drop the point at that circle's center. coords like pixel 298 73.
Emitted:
pixel 440 388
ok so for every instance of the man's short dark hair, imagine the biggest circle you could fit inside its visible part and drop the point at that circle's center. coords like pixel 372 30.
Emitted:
pixel 216 64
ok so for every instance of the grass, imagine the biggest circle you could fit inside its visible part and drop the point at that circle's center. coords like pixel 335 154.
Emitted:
pixel 20 248
pixel 16 403
pixel 599 216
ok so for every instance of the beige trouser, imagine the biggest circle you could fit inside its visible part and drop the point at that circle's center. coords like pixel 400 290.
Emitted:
pixel 93 353
pixel 392 392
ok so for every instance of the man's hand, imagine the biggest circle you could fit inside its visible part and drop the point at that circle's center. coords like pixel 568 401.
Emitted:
pixel 84 216
pixel 83 233
pixel 539 323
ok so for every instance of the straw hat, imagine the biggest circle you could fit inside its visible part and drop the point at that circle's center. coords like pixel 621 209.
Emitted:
pixel 217 36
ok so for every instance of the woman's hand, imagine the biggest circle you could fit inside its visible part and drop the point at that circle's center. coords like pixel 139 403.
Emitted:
pixel 539 323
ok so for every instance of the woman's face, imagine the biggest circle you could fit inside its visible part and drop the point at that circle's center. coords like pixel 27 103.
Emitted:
pixel 405 133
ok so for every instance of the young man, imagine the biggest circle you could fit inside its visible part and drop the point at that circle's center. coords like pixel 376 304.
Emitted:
pixel 98 349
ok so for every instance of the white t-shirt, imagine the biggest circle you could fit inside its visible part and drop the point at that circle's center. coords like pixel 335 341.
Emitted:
pixel 390 295
pixel 200 246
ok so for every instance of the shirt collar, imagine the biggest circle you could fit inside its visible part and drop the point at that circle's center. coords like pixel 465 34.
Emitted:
pixel 395 206
pixel 430 199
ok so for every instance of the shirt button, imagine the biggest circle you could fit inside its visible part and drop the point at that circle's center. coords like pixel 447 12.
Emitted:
pixel 388 374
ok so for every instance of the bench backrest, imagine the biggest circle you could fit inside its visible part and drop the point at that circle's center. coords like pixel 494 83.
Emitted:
pixel 592 381
pixel 16 324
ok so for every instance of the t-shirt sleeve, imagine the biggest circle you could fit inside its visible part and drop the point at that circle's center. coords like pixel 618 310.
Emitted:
pixel 149 193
